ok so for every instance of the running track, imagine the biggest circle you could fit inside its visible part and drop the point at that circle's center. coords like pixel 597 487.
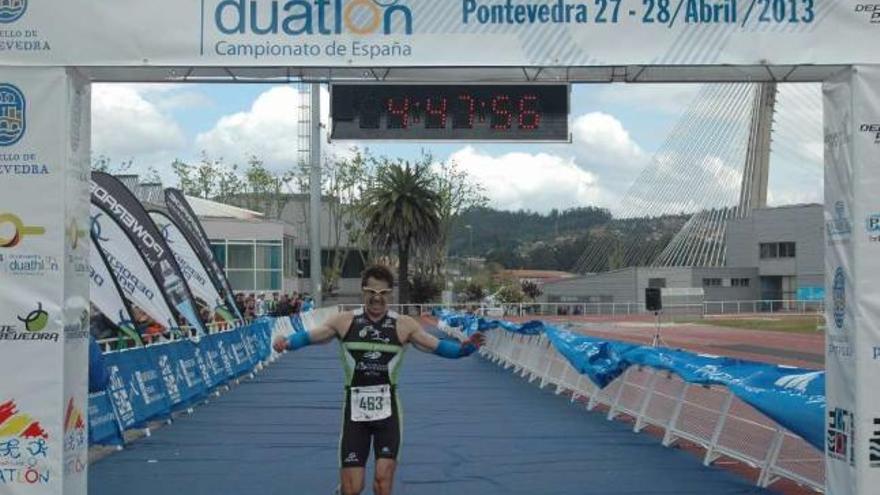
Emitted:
pixel 470 428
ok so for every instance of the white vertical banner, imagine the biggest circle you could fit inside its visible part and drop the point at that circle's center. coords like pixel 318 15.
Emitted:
pixel 76 285
pixel 852 214
pixel 43 283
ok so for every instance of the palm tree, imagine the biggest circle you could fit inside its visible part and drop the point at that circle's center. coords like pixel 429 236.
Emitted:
pixel 401 209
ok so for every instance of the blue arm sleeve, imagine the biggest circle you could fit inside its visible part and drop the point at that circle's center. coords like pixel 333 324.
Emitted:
pixel 454 350
pixel 298 340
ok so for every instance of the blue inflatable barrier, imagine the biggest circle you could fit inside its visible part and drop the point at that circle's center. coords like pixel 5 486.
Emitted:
pixel 793 397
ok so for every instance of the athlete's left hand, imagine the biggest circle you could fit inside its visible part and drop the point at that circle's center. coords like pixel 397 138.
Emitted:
pixel 280 344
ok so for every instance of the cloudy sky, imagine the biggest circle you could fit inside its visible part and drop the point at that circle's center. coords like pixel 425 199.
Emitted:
pixel 616 129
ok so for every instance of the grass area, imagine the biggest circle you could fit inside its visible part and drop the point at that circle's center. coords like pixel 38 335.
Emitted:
pixel 795 324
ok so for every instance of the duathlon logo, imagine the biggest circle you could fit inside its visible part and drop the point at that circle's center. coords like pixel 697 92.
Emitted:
pixel 839 295
pixel 13 230
pixel 13 121
pixel 24 448
pixel 311 17
pixel 12 10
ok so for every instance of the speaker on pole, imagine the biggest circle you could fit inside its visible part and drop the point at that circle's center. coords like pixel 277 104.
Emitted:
pixel 652 299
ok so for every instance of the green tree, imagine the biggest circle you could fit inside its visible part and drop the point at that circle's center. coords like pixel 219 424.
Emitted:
pixel 401 210
pixel 425 288
pixel 531 290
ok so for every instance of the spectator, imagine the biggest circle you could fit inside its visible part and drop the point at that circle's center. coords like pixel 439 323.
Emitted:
pixel 100 326
pixel 284 308
pixel 261 305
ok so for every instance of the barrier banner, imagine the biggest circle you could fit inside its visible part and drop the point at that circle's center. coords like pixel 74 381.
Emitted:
pixel 260 338
pixel 216 359
pixel 231 342
pixel 43 282
pixel 793 397
pixel 137 389
pixel 188 223
pixel 166 360
pixel 194 272
pixel 192 372
pixel 121 205
pixel 103 425
pixel 249 337
pixel 212 375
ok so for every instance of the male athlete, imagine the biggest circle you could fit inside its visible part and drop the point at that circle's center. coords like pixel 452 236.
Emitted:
pixel 373 341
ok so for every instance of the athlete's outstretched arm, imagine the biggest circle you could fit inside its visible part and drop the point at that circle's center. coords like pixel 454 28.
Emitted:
pixel 451 349
pixel 321 334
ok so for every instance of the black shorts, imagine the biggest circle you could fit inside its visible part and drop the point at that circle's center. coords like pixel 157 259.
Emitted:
pixel 385 436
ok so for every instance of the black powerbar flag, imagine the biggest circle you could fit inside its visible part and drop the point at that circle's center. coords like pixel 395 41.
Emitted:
pixel 120 204
pixel 186 220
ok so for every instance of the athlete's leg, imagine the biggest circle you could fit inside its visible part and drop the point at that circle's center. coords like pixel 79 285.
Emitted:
pixel 387 439
pixel 384 476
pixel 352 480
pixel 354 449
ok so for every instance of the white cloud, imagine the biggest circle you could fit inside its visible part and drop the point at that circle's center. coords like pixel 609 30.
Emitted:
pixel 268 130
pixel 125 124
pixel 538 182
pixel 602 143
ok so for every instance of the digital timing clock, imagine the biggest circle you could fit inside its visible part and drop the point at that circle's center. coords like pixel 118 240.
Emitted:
pixel 458 112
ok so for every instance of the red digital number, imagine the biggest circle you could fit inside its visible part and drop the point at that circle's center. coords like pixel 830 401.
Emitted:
pixel 398 113
pixel 470 105
pixel 529 117
pixel 435 115
pixel 502 118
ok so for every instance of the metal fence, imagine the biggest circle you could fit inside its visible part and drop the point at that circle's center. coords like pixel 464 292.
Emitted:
pixel 710 417
pixel 705 308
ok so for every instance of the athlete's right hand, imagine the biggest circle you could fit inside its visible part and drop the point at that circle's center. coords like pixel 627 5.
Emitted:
pixel 280 344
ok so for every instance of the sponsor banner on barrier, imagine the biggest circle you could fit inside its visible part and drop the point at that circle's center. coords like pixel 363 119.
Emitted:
pixel 190 371
pixel 137 389
pixel 120 204
pixel 357 33
pixel 188 223
pixel 103 425
pixel 194 272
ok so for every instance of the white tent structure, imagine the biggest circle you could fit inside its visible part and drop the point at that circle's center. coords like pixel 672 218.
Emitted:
pixel 50 52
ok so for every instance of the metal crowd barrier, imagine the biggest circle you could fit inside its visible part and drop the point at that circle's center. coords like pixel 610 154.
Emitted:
pixel 704 308
pixel 710 417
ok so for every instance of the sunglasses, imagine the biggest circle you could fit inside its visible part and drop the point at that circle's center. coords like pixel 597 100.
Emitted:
pixel 377 292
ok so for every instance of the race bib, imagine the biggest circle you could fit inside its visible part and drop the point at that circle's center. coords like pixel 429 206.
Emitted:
pixel 370 403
